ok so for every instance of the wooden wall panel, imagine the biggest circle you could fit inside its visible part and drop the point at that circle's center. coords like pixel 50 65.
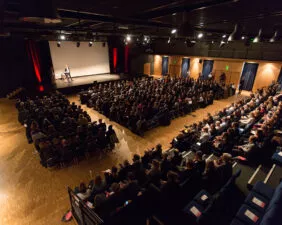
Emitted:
pixel 157 65
pixel 147 68
pixel 267 71
pixel 195 67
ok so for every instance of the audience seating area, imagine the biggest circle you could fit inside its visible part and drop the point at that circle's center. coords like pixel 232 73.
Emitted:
pixel 62 132
pixel 262 206
pixel 145 103
pixel 165 186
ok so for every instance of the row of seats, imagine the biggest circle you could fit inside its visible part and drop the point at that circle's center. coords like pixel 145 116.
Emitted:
pixel 263 206
pixel 205 207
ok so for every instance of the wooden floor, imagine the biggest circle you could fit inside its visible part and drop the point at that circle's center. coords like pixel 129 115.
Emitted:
pixel 33 195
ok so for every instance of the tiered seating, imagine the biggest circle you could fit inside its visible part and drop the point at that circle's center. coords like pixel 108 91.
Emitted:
pixel 263 206
pixel 168 204
pixel 205 208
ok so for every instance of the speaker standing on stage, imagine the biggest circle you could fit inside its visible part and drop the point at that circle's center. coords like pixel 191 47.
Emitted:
pixel 67 73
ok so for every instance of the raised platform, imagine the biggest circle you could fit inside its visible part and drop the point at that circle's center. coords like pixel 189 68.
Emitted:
pixel 84 82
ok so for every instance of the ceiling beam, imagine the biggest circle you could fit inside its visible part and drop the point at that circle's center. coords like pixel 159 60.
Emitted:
pixel 71 14
pixel 160 12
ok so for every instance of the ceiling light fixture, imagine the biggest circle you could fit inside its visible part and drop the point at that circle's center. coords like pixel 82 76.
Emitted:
pixel 128 38
pixel 231 36
pixel 257 38
pixel 62 37
pixel 243 37
pixel 168 41
pixel 273 39
pixel 224 36
pixel 173 31
pixel 200 35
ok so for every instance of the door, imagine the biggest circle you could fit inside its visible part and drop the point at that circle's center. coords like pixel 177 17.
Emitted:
pixel 248 76
pixel 185 67
pixel 207 68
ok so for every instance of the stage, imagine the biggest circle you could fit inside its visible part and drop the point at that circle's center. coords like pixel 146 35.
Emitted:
pixel 86 80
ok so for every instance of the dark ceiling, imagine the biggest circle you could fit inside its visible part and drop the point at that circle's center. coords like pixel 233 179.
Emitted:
pixel 154 18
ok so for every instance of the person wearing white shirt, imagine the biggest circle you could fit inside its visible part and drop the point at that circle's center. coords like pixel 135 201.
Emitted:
pixel 205 135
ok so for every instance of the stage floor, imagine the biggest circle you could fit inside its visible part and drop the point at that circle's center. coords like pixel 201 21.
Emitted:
pixel 84 80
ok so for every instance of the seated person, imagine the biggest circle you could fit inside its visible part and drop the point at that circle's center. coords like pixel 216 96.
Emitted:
pixel 170 189
pixel 224 166
pixel 244 150
pixel 205 135
pixel 246 121
pixel 154 174
pixel 199 162
pixel 83 192
pixel 210 177
pixel 188 171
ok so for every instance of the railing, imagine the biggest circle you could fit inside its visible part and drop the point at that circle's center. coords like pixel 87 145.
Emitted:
pixel 81 212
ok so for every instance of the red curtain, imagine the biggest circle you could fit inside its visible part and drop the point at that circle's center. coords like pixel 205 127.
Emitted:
pixel 115 59
pixel 34 56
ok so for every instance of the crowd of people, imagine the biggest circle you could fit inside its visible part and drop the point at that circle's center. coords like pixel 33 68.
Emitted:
pixel 253 117
pixel 165 171
pixel 144 103
pixel 62 132
pixel 221 131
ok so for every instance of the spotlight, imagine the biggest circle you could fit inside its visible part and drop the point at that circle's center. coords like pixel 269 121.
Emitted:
pixel 62 37
pixel 173 31
pixel 212 42
pixel 224 36
pixel 128 38
pixel 273 39
pixel 222 43
pixel 58 44
pixel 257 38
pixel 77 44
pixel 200 35
pixel 231 36
pixel 243 37
pixel 168 41
pixel 90 43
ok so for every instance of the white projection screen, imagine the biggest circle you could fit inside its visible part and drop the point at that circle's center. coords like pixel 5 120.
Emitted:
pixel 82 61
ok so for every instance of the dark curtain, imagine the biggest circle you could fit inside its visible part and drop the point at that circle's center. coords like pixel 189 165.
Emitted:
pixel 207 68
pixel 16 69
pixel 185 67
pixel 164 65
pixel 248 76
pixel 280 77
pixel 47 70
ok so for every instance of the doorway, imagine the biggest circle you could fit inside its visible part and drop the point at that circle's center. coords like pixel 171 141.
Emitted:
pixel 248 76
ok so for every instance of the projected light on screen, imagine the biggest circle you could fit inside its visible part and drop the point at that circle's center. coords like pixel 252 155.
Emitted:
pixel 82 61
